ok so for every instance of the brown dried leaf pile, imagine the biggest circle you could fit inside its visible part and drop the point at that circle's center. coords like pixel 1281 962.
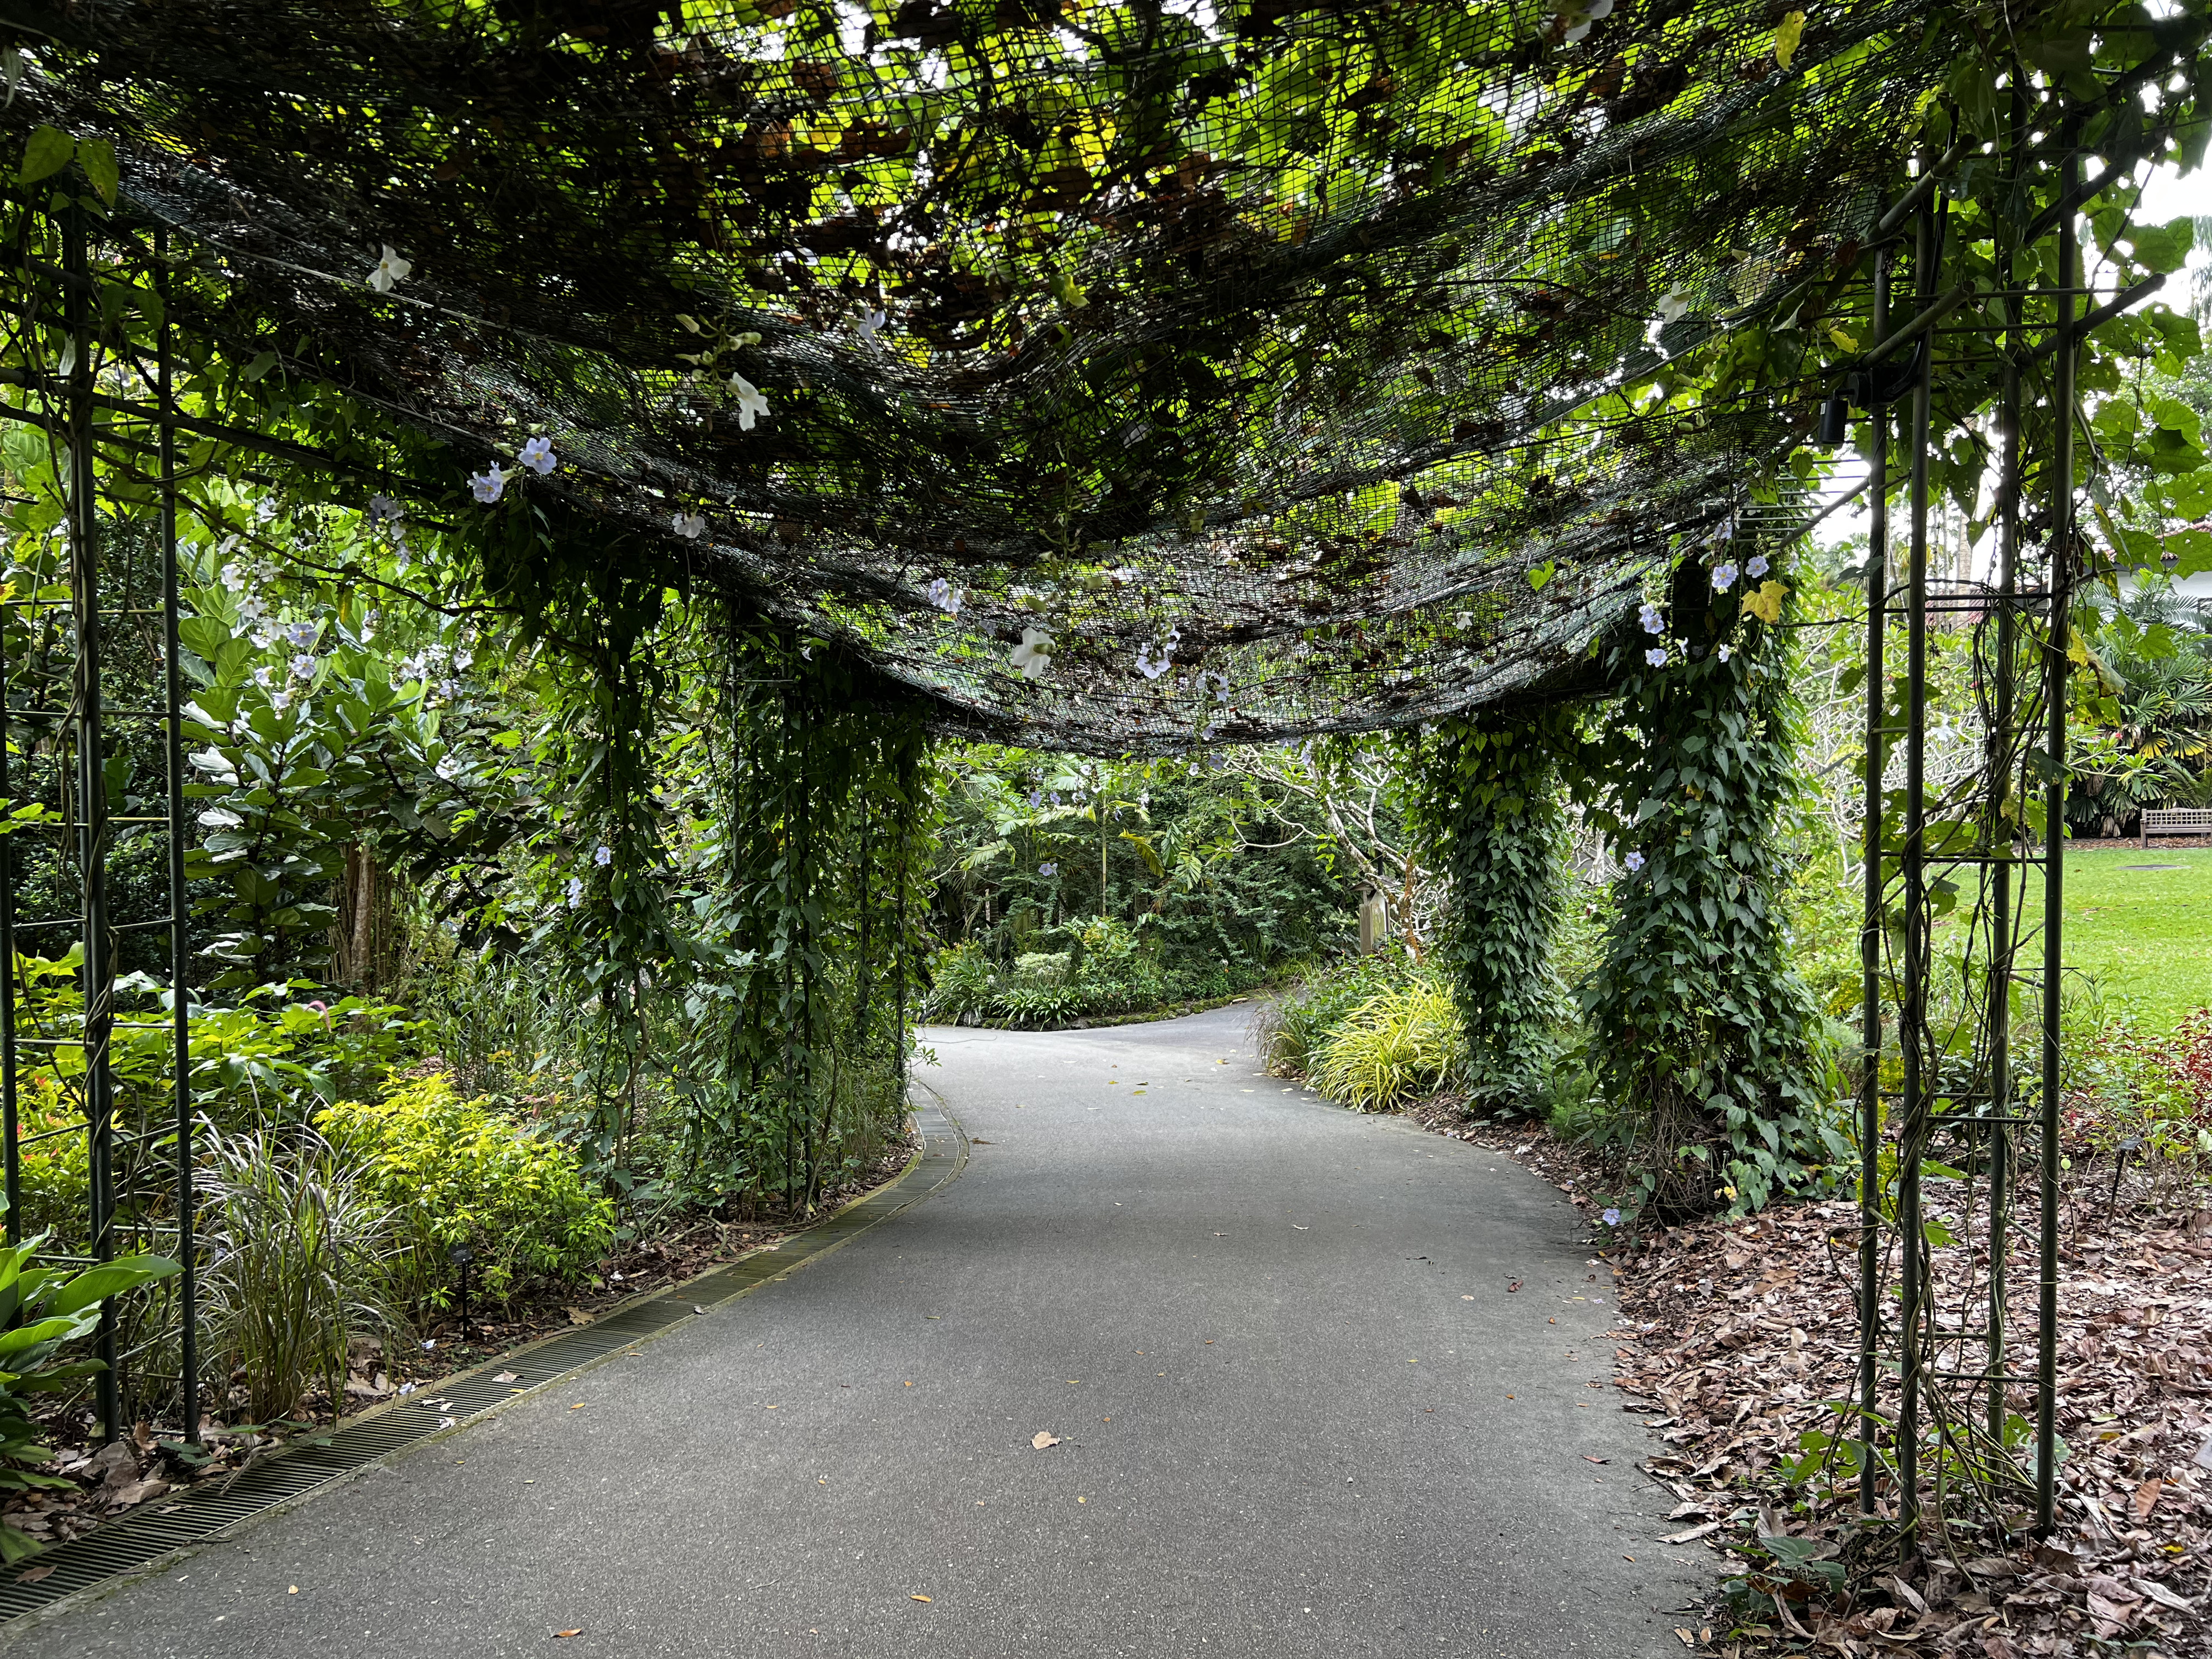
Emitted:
pixel 1736 1334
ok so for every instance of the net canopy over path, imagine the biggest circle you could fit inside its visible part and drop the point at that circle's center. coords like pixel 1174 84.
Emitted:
pixel 1123 376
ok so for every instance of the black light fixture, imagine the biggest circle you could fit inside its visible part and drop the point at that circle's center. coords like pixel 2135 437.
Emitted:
pixel 1835 420
pixel 461 1256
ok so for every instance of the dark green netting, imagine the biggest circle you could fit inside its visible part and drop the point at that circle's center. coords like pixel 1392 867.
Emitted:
pixel 1258 357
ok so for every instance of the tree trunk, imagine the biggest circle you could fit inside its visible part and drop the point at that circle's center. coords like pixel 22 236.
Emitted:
pixel 362 940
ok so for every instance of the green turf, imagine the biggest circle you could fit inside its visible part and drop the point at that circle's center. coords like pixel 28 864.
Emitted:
pixel 2144 935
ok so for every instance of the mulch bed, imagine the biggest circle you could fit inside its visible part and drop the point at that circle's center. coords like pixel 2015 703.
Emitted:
pixel 1735 1334
pixel 150 1463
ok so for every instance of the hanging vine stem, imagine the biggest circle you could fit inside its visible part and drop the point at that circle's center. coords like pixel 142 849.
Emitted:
pixel 826 799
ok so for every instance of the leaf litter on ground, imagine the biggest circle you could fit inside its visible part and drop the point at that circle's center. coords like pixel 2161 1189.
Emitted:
pixel 1735 1334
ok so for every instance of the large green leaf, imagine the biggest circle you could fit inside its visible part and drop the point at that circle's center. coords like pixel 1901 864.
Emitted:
pixel 97 1283
pixel 45 153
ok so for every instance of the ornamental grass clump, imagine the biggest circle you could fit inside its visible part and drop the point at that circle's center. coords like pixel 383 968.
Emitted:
pixel 298 1248
pixel 1391 1050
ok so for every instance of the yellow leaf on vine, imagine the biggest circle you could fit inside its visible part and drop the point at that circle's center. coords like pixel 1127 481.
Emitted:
pixel 1792 29
pixel 1767 604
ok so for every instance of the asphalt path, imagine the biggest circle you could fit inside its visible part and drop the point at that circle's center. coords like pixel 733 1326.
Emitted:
pixel 1301 1408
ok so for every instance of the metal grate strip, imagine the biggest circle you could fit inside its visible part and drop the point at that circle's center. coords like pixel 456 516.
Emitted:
pixel 137 1539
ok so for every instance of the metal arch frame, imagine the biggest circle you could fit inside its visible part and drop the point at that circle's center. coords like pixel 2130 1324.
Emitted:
pixel 1901 1362
pixel 82 730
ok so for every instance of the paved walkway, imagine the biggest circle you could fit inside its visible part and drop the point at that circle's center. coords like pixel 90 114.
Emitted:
pixel 1298 1410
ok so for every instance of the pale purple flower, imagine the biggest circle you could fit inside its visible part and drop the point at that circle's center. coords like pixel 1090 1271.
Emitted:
pixel 1048 869
pixel 689 526
pixel 602 855
pixel 390 271
pixel 1036 798
pixel 265 677
pixel 752 404
pixel 1757 565
pixel 1611 1217
pixel 1656 656
pixel 944 596
pixel 1723 578
pixel 1634 862
pixel 538 455
pixel 303 667
pixel 1033 656
pixel 302 634
pixel 489 485
pixel 1151 665
pixel 1652 620
pixel 1579 15
pixel 264 509
pixel 1725 652
pixel 576 891
pixel 382 509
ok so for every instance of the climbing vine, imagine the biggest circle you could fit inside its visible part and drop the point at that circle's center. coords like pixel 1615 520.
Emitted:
pixel 1701 1032
pixel 1486 797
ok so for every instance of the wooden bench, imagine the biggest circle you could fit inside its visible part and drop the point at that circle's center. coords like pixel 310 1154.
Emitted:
pixel 2176 821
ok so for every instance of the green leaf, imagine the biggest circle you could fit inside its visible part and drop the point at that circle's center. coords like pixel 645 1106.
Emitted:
pixel 109 1279
pixel 97 157
pixel 2161 247
pixel 45 153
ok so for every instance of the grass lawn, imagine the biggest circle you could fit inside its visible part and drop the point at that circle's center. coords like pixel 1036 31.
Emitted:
pixel 2144 935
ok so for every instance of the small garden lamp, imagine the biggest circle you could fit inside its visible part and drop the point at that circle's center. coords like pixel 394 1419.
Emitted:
pixel 461 1256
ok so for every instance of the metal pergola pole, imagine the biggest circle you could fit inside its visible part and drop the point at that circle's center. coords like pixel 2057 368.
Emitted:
pixel 1999 831
pixel 2059 585
pixel 180 914
pixel 1871 929
pixel 98 977
pixel 1912 1012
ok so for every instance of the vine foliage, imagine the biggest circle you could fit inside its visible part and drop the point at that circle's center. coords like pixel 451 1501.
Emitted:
pixel 1486 796
pixel 1700 1029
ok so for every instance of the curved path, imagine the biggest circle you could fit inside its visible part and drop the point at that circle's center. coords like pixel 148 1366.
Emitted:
pixel 1299 1411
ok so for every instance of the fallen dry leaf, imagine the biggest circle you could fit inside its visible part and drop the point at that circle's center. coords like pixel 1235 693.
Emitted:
pixel 1691 1535
pixel 31 1575
pixel 1514 1287
pixel 1042 1439
pixel 506 1376
pixel 2147 1497
pixel 2163 1596
pixel 577 1317
pixel 558 1634
pixel 1587 1458
pixel 917 1598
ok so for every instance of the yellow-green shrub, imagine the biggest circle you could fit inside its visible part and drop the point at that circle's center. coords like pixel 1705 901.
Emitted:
pixel 54 1170
pixel 1391 1049
pixel 458 1171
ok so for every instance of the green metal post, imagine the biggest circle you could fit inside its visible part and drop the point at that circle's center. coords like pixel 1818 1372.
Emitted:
pixel 1870 933
pixel 2059 583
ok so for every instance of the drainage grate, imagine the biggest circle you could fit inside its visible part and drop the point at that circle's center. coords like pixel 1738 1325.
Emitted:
pixel 207 1510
